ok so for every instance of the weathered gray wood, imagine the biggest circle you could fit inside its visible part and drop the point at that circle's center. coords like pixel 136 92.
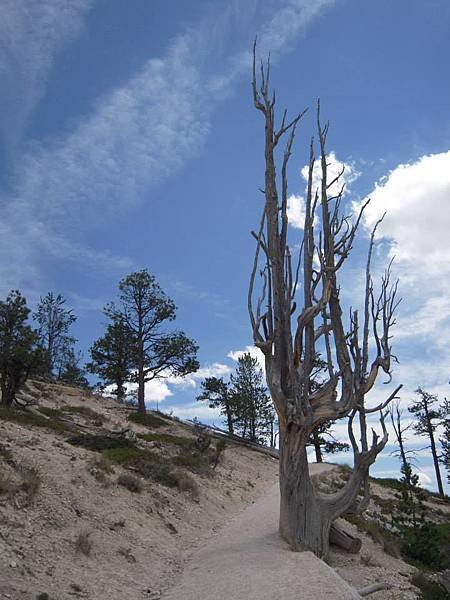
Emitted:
pixel 375 587
pixel 290 338
pixel 341 538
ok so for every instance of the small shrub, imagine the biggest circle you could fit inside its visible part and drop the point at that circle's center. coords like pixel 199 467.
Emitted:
pixel 429 589
pixel 163 473
pixel 98 443
pixel 131 456
pixel 185 483
pixel 30 481
pixel 83 543
pixel 133 484
pixel 148 420
pixel 29 419
pixel 424 545
pixel 101 463
pixel 191 461
pixel 43 596
pixel 203 441
pixel 389 542
pixel 148 464
pixel 220 449
pixel 166 438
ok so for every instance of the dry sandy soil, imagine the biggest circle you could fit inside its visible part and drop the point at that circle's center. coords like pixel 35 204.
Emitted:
pixel 140 541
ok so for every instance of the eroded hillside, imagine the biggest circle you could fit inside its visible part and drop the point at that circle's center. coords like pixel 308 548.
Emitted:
pixel 88 513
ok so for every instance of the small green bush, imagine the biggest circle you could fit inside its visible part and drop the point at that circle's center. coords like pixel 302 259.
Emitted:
pixel 153 466
pixel 389 542
pixel 133 484
pixel 164 474
pixel 194 462
pixel 99 443
pixel 29 419
pixel 429 589
pixel 129 455
pixel 148 420
pixel 425 545
pixel 166 438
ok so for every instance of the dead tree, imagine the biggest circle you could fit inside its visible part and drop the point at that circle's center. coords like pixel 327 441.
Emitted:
pixel 289 339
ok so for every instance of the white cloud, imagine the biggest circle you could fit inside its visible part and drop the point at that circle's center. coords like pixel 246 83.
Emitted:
pixel 252 350
pixel 32 33
pixel 335 166
pixel 157 390
pixel 276 36
pixel 296 211
pixel 190 381
pixel 416 197
pixel 296 203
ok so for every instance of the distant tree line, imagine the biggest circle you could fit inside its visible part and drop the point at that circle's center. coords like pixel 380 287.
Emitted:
pixel 139 345
pixel 243 401
pixel 42 347
pixel 136 347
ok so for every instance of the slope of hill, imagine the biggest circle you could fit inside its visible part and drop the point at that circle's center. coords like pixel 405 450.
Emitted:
pixel 98 503
pixel 69 525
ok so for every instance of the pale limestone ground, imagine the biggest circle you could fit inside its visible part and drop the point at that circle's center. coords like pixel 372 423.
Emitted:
pixel 138 540
pixel 247 559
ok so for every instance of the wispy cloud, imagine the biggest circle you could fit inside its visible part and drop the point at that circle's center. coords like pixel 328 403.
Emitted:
pixel 32 33
pixel 138 134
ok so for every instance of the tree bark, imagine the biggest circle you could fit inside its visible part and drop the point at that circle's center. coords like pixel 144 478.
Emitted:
pixel 436 464
pixel 229 420
pixel 141 385
pixel 317 447
pixel 344 540
pixel 304 520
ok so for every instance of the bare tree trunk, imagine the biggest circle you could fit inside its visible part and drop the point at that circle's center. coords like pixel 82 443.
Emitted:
pixel 436 463
pixel 316 442
pixel 305 515
pixel 141 384
pixel 304 521
pixel 229 420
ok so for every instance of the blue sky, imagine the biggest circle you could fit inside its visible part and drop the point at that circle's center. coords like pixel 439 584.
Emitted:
pixel 129 141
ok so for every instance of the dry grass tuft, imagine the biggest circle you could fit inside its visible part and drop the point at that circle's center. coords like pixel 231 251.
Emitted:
pixel 30 482
pixel 83 543
pixel 132 483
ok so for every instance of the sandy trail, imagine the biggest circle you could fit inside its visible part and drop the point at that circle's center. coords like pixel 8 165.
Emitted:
pixel 247 559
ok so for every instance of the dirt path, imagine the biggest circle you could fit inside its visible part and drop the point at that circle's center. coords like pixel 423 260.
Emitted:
pixel 247 559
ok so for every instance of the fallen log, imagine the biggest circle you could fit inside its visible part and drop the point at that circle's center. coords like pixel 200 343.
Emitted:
pixel 342 539
pixel 375 587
